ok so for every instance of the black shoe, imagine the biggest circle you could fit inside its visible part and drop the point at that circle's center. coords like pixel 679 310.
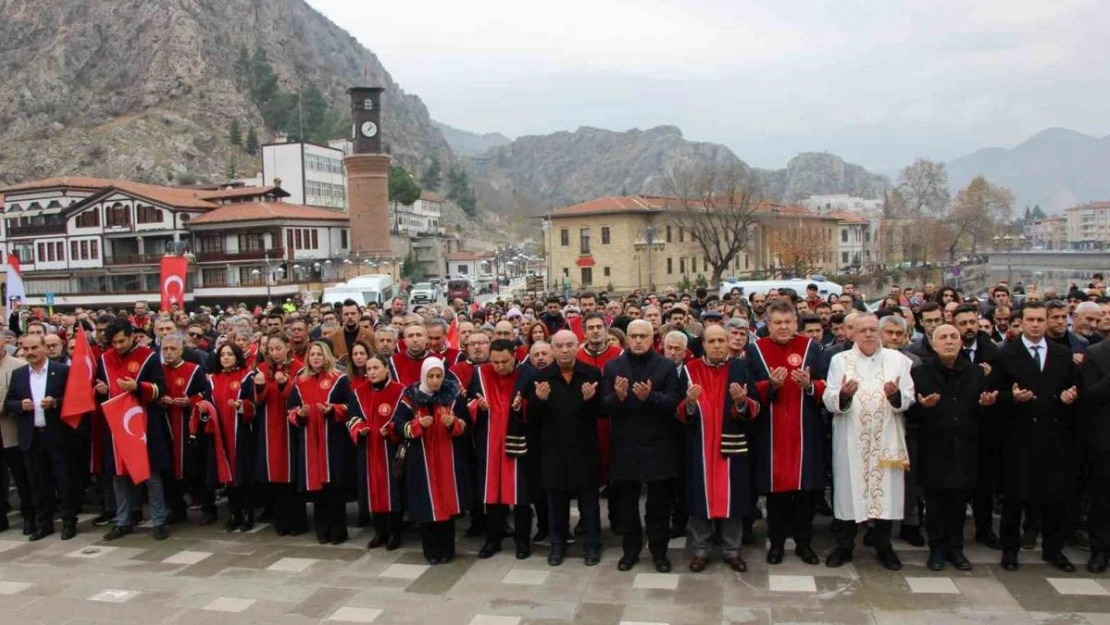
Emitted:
pixel 698 564
pixel 377 541
pixel 233 522
pixel 626 563
pixel 208 518
pixel 102 519
pixel 447 559
pixel 1029 539
pixel 136 517
pixel 29 527
pixel 118 531
pixel 1098 562
pixel 41 533
pixel 433 561
pixel 339 539
pixel 322 540
pixel 912 535
pixel 555 558
pixel 890 560
pixel 775 554
pixel 593 557
pixel 838 558
pixel 869 537
pixel 1009 561
pixel 540 537
pixel 523 552
pixel 959 560
pixel 989 540
pixel 160 532
pixel 69 529
pixel 5 524
pixel 1060 561
pixel 936 559
pixel 394 542
pixel 247 524
pixel 662 565
pixel 488 550
pixel 807 554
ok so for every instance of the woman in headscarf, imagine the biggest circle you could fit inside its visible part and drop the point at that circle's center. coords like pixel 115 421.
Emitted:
pixel 274 440
pixel 433 416
pixel 376 438
pixel 319 404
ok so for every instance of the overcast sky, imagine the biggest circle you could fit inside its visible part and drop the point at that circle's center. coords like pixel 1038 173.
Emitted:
pixel 877 82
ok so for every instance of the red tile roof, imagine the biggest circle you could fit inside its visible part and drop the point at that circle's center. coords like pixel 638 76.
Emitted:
pixel 612 204
pixel 464 256
pixel 429 196
pixel 184 198
pixel 847 216
pixel 238 192
pixel 1100 204
pixel 267 211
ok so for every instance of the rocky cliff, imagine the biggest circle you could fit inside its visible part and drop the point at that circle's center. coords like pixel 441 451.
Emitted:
pixel 147 89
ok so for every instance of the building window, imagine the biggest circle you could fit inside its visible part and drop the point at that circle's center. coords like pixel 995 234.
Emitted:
pixel 289 239
pixel 42 252
pixel 84 250
pixel 315 239
pixel 606 272
pixel 343 238
pixel 670 266
pixel 668 234
pixel 681 235
pixel 584 240
pixel 149 215
pixel 117 215
pixel 94 249
pixel 587 276
pixel 297 239
pixel 682 265
pixel 88 219
pixel 251 242
pixel 245 276
pixel 73 250
pixel 212 243
pixel 214 277
pixel 843 236
pixel 566 272
pixel 49 252
pixel 61 246
pixel 605 235
pixel 844 257
pixel 564 237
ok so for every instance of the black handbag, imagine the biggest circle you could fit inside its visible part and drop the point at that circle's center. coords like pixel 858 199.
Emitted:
pixel 397 468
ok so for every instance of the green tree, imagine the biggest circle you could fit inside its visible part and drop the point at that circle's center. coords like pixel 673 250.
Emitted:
pixel 1028 215
pixel 432 175
pixel 243 67
pixel 1038 213
pixel 461 191
pixel 235 133
pixel 402 186
pixel 314 111
pixel 230 171
pixel 251 145
pixel 410 268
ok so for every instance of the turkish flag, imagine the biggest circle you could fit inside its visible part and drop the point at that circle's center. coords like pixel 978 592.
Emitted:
pixel 174 269
pixel 80 396
pixel 126 419
pixel 452 339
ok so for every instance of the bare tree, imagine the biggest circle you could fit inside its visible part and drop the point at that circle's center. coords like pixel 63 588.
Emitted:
pixel 979 208
pixel 924 188
pixel 800 244
pixel 716 204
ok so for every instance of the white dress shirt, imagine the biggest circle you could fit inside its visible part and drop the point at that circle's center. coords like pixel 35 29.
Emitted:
pixel 971 349
pixel 1038 354
pixel 38 392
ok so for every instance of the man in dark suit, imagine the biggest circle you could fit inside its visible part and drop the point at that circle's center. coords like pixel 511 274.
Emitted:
pixel 49 445
pixel 1096 434
pixel 1036 382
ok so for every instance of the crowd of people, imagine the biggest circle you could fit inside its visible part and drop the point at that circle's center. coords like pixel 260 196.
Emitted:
pixel 907 411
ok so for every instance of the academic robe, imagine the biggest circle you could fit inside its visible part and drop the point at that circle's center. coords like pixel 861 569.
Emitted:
pixel 436 473
pixel 228 430
pixel 405 369
pixel 718 486
pixel 449 356
pixel 604 425
pixel 325 454
pixel 377 403
pixel 463 373
pixel 183 380
pixel 869 437
pixel 790 437
pixel 250 357
pixel 142 365
pixel 274 434
pixel 502 479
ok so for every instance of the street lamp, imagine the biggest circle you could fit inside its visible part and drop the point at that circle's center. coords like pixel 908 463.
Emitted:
pixel 1009 241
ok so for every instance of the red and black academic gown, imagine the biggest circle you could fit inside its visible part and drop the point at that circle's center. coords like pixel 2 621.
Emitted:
pixel 273 448
pixel 251 356
pixel 405 369
pixel 325 454
pixel 232 440
pixel 436 478
pixel 376 483
pixel 718 486
pixel 142 365
pixel 790 449
pixel 449 356
pixel 463 373
pixel 185 379
pixel 521 353
pixel 604 424
pixel 501 478
pixel 97 424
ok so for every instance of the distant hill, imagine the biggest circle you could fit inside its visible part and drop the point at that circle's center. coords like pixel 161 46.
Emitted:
pixel 1055 168
pixel 466 143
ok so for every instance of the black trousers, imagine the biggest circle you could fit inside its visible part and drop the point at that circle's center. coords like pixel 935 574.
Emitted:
pixel 330 513
pixel 290 512
pixel 387 524
pixel 174 490
pixel 945 512
pixel 541 514
pixel 589 508
pixel 495 524
pixel 680 517
pixel 1052 518
pixel 846 539
pixel 239 501
pixel 1098 521
pixel 438 539
pixel 13 462
pixel 986 488
pixel 54 478
pixel 660 497
pixel 791 513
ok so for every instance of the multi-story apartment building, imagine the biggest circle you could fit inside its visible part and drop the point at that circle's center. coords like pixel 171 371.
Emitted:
pixel 313 175
pixel 1048 234
pixel 1088 226
pixel 421 218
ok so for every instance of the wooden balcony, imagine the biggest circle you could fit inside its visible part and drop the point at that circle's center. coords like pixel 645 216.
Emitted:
pixel 275 254
pixel 133 259
pixel 36 231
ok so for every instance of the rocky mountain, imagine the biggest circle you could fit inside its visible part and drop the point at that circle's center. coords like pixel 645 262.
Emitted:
pixel 1055 168
pixel 466 143
pixel 538 173
pixel 148 89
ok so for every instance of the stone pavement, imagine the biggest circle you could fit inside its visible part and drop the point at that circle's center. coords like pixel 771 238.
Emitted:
pixel 204 575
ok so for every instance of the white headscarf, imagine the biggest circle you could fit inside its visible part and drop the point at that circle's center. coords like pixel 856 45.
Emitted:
pixel 431 362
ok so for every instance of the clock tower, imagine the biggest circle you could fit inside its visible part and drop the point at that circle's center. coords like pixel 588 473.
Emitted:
pixel 368 177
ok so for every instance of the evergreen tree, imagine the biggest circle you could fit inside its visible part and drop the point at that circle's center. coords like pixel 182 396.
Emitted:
pixel 251 145
pixel 1038 213
pixel 314 111
pixel 432 175
pixel 230 171
pixel 235 134
pixel 461 191
pixel 402 187
pixel 1028 215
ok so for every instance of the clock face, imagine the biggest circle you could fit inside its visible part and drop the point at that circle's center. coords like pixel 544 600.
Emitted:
pixel 369 129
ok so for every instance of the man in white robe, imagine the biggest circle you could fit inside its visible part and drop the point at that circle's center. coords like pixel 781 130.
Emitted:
pixel 867 389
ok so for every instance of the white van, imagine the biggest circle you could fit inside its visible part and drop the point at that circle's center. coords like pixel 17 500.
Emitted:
pixel 378 289
pixel 747 287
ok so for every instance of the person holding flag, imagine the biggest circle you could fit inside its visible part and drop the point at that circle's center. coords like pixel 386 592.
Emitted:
pixel 16 294
pixel 186 387
pixel 129 381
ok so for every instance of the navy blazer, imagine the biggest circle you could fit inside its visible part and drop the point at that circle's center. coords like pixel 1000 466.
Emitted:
pixel 20 388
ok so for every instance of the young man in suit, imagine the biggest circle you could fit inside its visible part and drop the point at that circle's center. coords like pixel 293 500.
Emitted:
pixel 49 445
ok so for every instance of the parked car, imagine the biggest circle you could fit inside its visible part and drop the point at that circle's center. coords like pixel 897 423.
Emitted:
pixel 460 288
pixel 423 293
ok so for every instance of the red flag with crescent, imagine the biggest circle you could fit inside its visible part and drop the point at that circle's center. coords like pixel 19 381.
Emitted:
pixel 80 396
pixel 174 269
pixel 452 339
pixel 126 418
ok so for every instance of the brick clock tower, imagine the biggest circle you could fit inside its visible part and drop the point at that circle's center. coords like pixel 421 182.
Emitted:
pixel 368 176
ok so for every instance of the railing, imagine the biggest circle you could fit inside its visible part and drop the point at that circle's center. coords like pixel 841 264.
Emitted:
pixel 132 259
pixel 210 257
pixel 34 231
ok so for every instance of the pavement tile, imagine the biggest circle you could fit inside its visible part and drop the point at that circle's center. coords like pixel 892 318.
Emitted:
pixel 229 604
pixel 347 614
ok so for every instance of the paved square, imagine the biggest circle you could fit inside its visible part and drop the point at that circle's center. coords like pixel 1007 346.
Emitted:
pixel 526 577
pixel 91 552
pixel 487 619
pixel 291 565
pixel 932 586
pixel 187 557
pixel 1078 586
pixel 114 595
pixel 791 583
pixel 229 604
pixel 13 588
pixel 347 614
pixel 659 581
pixel 404 571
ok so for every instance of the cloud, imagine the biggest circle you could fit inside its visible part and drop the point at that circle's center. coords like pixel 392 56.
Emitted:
pixel 877 82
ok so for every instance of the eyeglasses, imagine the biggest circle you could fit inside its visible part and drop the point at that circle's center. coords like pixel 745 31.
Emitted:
pixel 195 335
